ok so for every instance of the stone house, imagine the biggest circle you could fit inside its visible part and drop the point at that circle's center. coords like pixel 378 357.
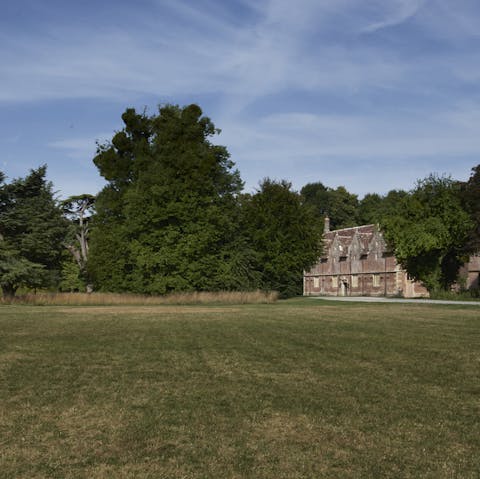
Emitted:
pixel 357 262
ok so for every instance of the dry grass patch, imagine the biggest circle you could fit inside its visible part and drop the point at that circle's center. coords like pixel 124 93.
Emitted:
pixel 221 297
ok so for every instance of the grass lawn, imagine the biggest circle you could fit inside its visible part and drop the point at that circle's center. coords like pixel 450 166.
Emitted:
pixel 295 389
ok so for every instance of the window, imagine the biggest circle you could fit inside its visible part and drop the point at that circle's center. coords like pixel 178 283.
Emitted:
pixel 316 282
pixel 355 281
pixel 376 280
pixel 343 258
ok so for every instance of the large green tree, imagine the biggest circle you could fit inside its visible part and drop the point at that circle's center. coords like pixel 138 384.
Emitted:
pixel 429 231
pixel 167 219
pixel 32 231
pixel 285 234
pixel 338 203
pixel 373 208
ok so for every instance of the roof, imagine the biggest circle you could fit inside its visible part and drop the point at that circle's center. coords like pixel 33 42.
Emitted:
pixel 344 238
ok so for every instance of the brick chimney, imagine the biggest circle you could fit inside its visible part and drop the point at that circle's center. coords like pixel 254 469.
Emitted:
pixel 326 227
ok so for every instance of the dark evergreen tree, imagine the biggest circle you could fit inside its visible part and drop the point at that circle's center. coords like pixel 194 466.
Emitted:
pixel 285 235
pixel 168 218
pixel 32 231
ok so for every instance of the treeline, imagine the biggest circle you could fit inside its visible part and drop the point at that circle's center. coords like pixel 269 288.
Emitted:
pixel 173 217
pixel 345 209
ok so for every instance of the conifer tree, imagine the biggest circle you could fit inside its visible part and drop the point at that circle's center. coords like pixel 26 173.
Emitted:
pixel 32 230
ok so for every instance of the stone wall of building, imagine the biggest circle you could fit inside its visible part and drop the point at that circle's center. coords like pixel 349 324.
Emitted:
pixel 356 262
pixel 469 274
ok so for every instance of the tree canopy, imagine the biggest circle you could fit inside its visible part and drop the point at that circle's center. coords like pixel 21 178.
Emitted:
pixel 338 204
pixel 32 230
pixel 373 208
pixel 428 232
pixel 167 218
pixel 471 200
pixel 173 217
pixel 285 234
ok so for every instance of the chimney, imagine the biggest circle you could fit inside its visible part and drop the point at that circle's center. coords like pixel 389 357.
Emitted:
pixel 326 228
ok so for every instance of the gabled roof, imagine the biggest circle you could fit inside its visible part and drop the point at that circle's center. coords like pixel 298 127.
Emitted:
pixel 345 237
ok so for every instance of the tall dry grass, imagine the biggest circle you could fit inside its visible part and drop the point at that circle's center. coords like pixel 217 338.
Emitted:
pixel 73 299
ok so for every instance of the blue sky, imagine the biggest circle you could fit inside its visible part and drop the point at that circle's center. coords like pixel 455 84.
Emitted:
pixel 369 94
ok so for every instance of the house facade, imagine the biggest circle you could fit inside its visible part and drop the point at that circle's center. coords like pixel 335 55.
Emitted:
pixel 357 262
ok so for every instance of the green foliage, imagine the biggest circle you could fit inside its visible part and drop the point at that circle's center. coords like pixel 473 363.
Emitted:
pixel 70 277
pixel 285 234
pixel 340 205
pixel 32 230
pixel 373 208
pixel 79 210
pixel 429 231
pixel 168 218
pixel 471 201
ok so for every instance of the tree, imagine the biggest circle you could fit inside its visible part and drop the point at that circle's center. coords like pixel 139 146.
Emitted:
pixel 79 210
pixel 373 208
pixel 429 231
pixel 285 235
pixel 470 193
pixel 167 219
pixel 70 276
pixel 32 230
pixel 340 205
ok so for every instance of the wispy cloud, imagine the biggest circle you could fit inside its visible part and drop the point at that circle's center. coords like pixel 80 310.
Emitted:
pixel 361 152
pixel 324 87
pixel 395 13
pixel 78 148
pixel 188 50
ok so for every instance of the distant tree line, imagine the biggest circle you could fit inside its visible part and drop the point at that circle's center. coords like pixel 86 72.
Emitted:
pixel 173 217
pixel 432 229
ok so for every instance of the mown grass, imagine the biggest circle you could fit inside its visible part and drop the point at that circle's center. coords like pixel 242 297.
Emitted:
pixel 295 389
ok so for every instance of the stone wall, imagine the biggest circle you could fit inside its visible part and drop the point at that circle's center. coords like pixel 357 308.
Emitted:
pixel 356 262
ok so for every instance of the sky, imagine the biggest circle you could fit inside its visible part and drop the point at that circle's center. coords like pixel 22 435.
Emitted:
pixel 368 94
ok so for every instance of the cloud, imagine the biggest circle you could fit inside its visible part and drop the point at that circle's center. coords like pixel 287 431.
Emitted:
pixel 301 91
pixel 78 148
pixel 361 152
pixel 185 49
pixel 396 13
